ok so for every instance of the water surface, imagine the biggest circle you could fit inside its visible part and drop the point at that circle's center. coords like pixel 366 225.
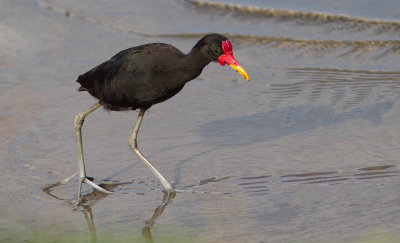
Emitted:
pixel 305 152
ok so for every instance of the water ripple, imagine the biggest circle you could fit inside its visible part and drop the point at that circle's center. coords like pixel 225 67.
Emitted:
pixel 340 21
pixel 261 185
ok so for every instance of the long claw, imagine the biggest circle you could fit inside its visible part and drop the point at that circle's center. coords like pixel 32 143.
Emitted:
pixel 95 186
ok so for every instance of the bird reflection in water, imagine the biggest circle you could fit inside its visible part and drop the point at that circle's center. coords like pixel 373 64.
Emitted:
pixel 95 196
pixel 167 199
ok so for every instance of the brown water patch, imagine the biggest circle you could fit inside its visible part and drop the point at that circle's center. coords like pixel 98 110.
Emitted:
pixel 311 179
pixel 205 181
pixel 375 177
pixel 254 177
pixel 374 172
pixel 379 167
pixel 327 180
pixel 310 174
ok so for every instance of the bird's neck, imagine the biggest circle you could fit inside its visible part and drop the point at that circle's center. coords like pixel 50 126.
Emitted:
pixel 196 60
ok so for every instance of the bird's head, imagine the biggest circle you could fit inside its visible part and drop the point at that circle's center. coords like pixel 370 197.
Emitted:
pixel 219 49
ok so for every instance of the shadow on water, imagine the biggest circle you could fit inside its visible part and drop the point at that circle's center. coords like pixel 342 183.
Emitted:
pixel 91 199
pixel 274 124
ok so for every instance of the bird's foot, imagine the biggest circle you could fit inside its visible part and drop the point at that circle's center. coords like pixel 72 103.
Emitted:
pixel 95 184
pixel 169 194
pixel 77 205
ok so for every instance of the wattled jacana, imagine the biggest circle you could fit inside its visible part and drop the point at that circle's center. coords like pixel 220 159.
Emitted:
pixel 141 76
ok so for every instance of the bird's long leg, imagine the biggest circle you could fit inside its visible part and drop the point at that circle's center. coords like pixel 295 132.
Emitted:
pixel 133 145
pixel 79 119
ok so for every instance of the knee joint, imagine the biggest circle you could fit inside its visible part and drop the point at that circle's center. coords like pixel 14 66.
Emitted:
pixel 133 144
pixel 79 119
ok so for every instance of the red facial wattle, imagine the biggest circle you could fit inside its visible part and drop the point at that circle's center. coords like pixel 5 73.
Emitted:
pixel 228 58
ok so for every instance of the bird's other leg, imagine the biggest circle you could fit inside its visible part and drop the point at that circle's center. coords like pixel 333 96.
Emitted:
pixel 134 147
pixel 79 119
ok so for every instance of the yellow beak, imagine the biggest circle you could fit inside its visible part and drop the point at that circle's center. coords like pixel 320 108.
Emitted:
pixel 241 71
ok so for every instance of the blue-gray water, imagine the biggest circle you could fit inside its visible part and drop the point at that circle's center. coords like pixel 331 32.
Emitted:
pixel 367 9
pixel 307 151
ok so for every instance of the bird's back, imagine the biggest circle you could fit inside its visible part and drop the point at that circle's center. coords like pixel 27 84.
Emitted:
pixel 137 77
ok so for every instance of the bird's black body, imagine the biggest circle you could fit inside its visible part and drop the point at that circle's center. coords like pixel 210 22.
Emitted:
pixel 140 77
pixel 144 75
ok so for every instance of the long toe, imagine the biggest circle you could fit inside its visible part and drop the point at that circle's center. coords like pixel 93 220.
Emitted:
pixel 97 187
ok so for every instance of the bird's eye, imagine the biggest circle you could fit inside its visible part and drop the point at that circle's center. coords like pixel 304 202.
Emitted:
pixel 217 51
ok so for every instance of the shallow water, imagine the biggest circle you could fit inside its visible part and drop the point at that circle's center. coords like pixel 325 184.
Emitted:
pixel 305 152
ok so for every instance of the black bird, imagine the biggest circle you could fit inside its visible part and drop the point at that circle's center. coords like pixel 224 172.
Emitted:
pixel 141 76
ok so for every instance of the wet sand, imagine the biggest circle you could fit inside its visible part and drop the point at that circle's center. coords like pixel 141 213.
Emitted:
pixel 305 152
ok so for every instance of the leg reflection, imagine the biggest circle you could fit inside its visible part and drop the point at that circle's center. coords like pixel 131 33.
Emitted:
pixel 91 199
pixel 167 199
pixel 87 211
pixel 87 202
